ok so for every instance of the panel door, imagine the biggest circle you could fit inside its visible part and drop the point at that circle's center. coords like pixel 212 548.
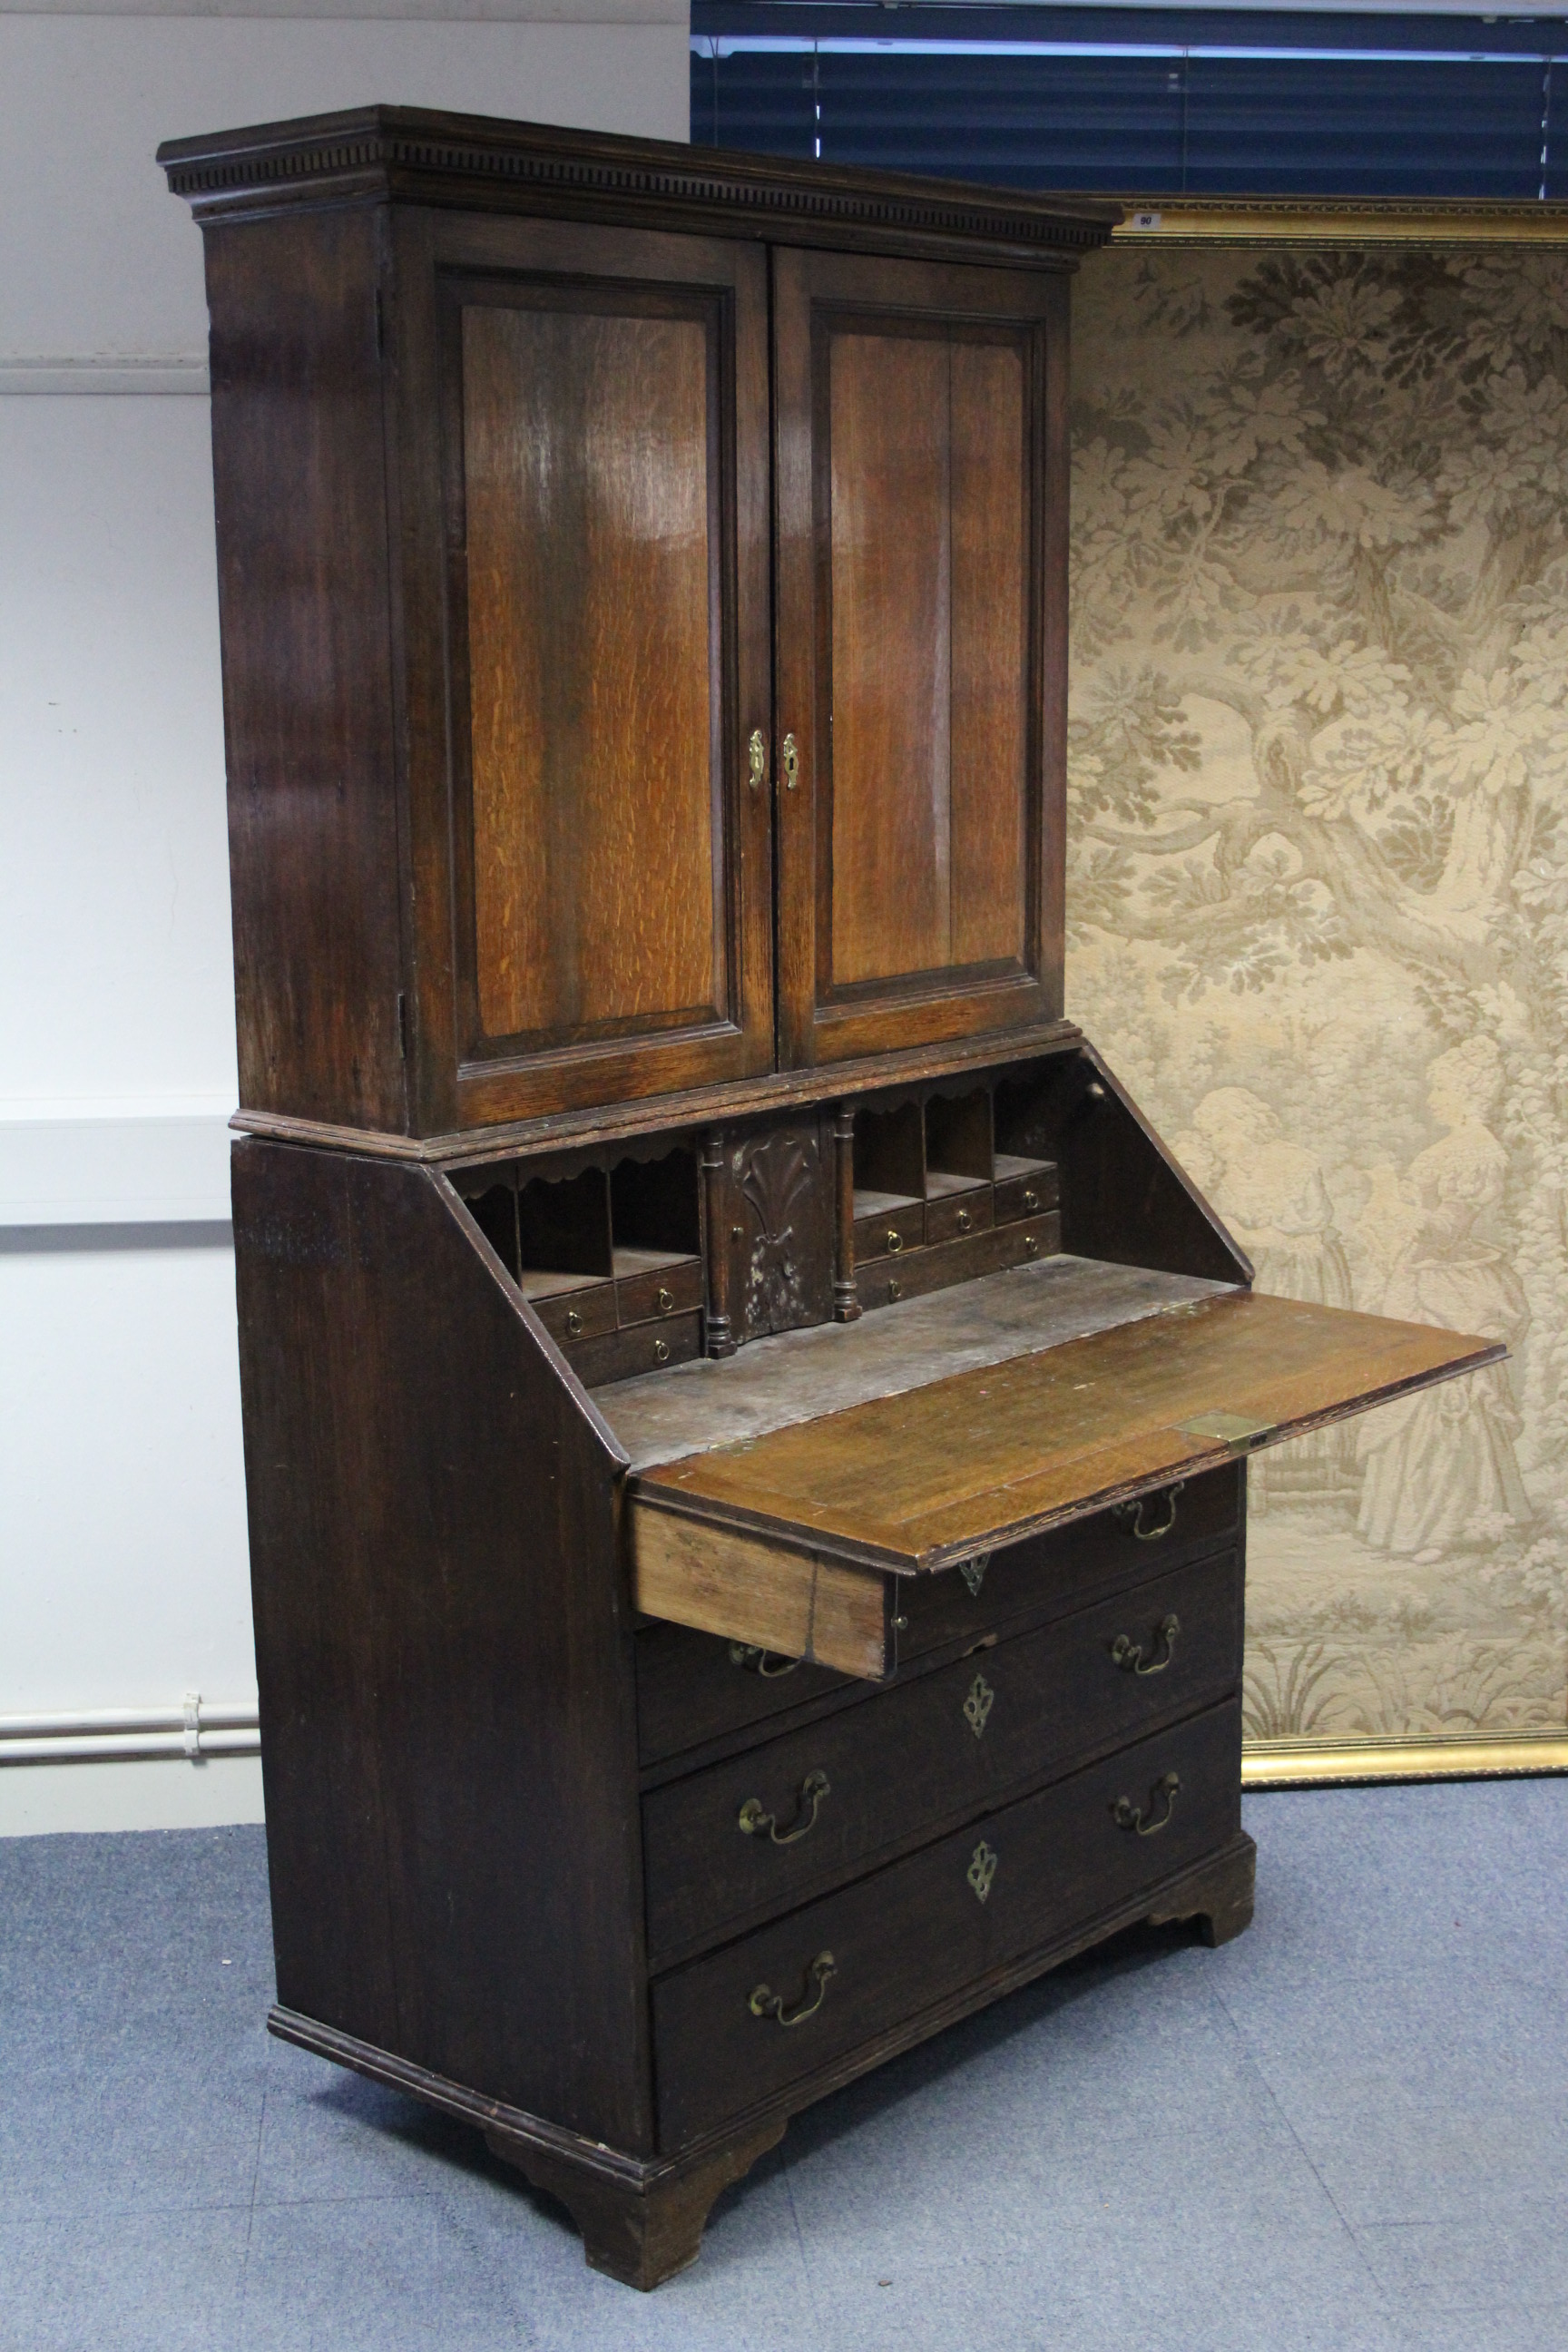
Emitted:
pixel 603 505
pixel 921 510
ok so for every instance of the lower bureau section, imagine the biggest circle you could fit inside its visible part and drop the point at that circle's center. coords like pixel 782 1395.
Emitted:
pixel 744 2025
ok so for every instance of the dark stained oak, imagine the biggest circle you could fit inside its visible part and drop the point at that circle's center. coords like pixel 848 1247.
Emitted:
pixel 594 688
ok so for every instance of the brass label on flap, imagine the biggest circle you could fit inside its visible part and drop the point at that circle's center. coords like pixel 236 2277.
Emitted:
pixel 1236 1429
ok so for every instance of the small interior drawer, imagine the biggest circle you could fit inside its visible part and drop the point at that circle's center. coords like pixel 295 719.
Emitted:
pixel 893 1226
pixel 644 1347
pixel 760 1833
pixel 649 1293
pixel 960 1212
pixel 571 1308
pixel 757 2020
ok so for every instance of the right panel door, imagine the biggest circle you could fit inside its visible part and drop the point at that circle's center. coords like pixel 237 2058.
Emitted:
pixel 921 609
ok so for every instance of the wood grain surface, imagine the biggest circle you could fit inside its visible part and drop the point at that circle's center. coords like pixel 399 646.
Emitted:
pixel 982 1458
pixel 594 684
pixel 773 1597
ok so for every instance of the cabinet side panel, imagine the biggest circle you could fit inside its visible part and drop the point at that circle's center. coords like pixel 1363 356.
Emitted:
pixel 302 592
pixel 447 1734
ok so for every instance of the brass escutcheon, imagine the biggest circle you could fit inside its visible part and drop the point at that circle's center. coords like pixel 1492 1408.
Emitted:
pixel 973 1571
pixel 1129 1816
pixel 753 1821
pixel 982 1870
pixel 977 1706
pixel 772 1668
pixel 790 763
pixel 757 756
pixel 1128 1655
pixel 763 2001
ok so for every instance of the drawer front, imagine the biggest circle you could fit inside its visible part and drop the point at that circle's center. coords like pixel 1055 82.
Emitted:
pixel 889 1234
pixel 650 1297
pixel 645 1348
pixel 583 1314
pixel 762 1831
pixel 963 1212
pixel 694 1687
pixel 1021 1196
pixel 1103 1553
pixel 884 1282
pixel 691 1690
pixel 750 2022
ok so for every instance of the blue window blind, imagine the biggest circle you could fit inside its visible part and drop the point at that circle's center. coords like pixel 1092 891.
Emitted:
pixel 1146 101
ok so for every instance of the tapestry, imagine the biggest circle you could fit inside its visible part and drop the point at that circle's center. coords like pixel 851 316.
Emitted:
pixel 1318 898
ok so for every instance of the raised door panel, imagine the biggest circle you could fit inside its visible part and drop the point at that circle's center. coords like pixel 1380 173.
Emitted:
pixel 597 843
pixel 919 605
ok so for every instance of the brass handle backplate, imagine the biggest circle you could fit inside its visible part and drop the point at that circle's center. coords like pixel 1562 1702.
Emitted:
pixel 763 2001
pixel 790 763
pixel 1129 1816
pixel 1135 1510
pixel 757 757
pixel 755 1823
pixel 1128 1655
pixel 762 1661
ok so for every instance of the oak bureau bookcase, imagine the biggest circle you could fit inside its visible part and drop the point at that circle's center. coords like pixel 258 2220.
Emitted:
pixel 744 1421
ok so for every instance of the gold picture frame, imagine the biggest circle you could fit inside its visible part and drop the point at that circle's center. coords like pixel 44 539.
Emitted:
pixel 1207 222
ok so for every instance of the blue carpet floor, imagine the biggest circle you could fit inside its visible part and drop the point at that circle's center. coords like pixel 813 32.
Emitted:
pixel 1346 2132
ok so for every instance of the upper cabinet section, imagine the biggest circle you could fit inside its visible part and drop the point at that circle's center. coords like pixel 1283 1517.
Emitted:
pixel 921 502
pixel 544 622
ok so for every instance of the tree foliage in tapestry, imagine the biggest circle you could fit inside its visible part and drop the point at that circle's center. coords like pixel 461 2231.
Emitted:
pixel 1318 891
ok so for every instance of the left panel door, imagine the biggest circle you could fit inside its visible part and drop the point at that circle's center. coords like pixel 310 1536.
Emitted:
pixel 583 474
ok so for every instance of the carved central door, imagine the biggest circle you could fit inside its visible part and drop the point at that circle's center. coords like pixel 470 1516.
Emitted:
pixel 921 502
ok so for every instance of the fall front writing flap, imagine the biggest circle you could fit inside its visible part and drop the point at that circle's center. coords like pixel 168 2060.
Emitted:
pixel 986 1455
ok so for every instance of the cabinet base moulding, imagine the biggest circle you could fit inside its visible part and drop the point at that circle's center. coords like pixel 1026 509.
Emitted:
pixel 642 2219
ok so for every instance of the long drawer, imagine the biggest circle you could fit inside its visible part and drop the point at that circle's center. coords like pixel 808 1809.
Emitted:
pixel 695 1687
pixel 749 2022
pixel 761 1832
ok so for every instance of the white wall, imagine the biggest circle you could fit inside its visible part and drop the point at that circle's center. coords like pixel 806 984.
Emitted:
pixel 122 1552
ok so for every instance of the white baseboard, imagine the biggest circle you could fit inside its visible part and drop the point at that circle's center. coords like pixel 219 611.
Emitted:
pixel 151 1793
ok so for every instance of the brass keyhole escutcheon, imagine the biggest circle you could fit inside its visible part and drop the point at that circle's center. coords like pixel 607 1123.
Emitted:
pixel 1031 1199
pixel 895 1241
pixel 664 1301
pixel 757 758
pixel 763 2001
pixel 790 763
pixel 1128 1655
pixel 573 1324
pixel 1144 1821
pixel 978 1704
pixel 754 1820
pixel 974 1572
pixel 982 1870
pixel 662 1351
pixel 964 1221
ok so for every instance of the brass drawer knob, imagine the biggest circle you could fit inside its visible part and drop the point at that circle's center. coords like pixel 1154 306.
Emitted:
pixel 1128 1655
pixel 664 1300
pixel 753 1821
pixel 1031 1199
pixel 573 1324
pixel 662 1351
pixel 895 1241
pixel 764 2002
pixel 1129 1816
pixel 964 1221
